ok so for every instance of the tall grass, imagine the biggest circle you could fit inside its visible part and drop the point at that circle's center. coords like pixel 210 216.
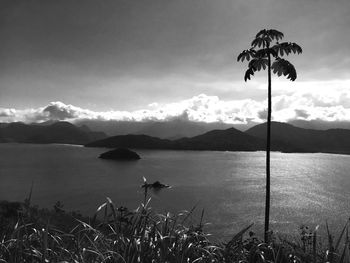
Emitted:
pixel 113 234
pixel 117 234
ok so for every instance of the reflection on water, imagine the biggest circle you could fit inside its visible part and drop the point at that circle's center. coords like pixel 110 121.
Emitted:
pixel 306 188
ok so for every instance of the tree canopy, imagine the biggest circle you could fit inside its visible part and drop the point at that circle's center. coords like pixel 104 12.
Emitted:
pixel 265 44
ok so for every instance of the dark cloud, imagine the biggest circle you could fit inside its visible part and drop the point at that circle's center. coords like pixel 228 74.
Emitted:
pixel 59 112
pixel 184 116
pixel 120 53
pixel 7 113
pixel 262 114
pixel 238 119
pixel 301 114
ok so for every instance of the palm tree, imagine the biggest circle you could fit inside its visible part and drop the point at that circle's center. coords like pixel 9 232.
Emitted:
pixel 266 53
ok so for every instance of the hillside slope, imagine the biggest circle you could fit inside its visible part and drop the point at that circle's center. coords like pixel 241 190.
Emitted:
pixel 305 140
pixel 216 140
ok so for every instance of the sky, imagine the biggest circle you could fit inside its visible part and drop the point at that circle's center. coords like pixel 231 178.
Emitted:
pixel 160 59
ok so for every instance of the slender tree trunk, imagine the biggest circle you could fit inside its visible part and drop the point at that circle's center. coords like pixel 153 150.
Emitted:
pixel 268 147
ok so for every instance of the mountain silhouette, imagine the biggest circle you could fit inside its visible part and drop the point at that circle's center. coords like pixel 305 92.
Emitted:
pixel 221 140
pixel 216 140
pixel 132 141
pixel 58 132
pixel 287 137
pixel 177 129
pixel 172 129
pixel 320 124
pixel 284 137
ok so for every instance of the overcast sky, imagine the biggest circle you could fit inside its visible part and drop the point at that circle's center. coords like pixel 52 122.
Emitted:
pixel 129 57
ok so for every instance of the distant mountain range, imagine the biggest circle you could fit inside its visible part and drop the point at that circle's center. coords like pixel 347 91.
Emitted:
pixel 219 140
pixel 179 128
pixel 173 129
pixel 285 138
pixel 296 139
pixel 57 132
pixel 320 125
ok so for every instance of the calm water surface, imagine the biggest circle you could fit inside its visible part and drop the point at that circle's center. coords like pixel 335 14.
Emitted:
pixel 306 188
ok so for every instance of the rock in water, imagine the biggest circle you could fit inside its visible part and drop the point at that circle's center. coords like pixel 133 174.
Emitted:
pixel 159 185
pixel 120 154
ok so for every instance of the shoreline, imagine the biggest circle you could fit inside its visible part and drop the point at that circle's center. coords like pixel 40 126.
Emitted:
pixel 178 149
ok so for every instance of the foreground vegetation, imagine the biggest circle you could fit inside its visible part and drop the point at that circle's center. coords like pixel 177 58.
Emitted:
pixel 116 234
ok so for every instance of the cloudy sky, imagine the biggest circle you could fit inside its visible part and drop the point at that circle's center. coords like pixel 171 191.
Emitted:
pixel 155 59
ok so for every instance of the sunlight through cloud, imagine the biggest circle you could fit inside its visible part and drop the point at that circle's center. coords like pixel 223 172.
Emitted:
pixel 304 104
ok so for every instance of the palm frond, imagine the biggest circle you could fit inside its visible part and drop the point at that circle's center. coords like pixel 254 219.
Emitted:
pixel 271 51
pixel 272 34
pixel 249 73
pixel 258 63
pixel 296 48
pixel 261 33
pixel 285 68
pixel 260 42
pixel 261 53
pixel 286 48
pixel 275 34
pixel 246 54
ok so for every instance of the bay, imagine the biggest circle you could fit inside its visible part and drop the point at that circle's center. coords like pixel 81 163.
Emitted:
pixel 230 186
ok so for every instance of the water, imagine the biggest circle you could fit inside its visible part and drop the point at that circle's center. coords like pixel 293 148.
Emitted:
pixel 306 188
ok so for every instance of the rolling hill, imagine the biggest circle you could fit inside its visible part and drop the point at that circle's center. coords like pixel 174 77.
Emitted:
pixel 216 140
pixel 221 140
pixel 304 140
pixel 285 138
pixel 172 129
pixel 132 141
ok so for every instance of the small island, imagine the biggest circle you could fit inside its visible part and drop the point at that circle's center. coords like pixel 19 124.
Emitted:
pixel 120 154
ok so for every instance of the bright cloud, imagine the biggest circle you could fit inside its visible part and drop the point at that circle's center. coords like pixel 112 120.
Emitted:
pixel 304 104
